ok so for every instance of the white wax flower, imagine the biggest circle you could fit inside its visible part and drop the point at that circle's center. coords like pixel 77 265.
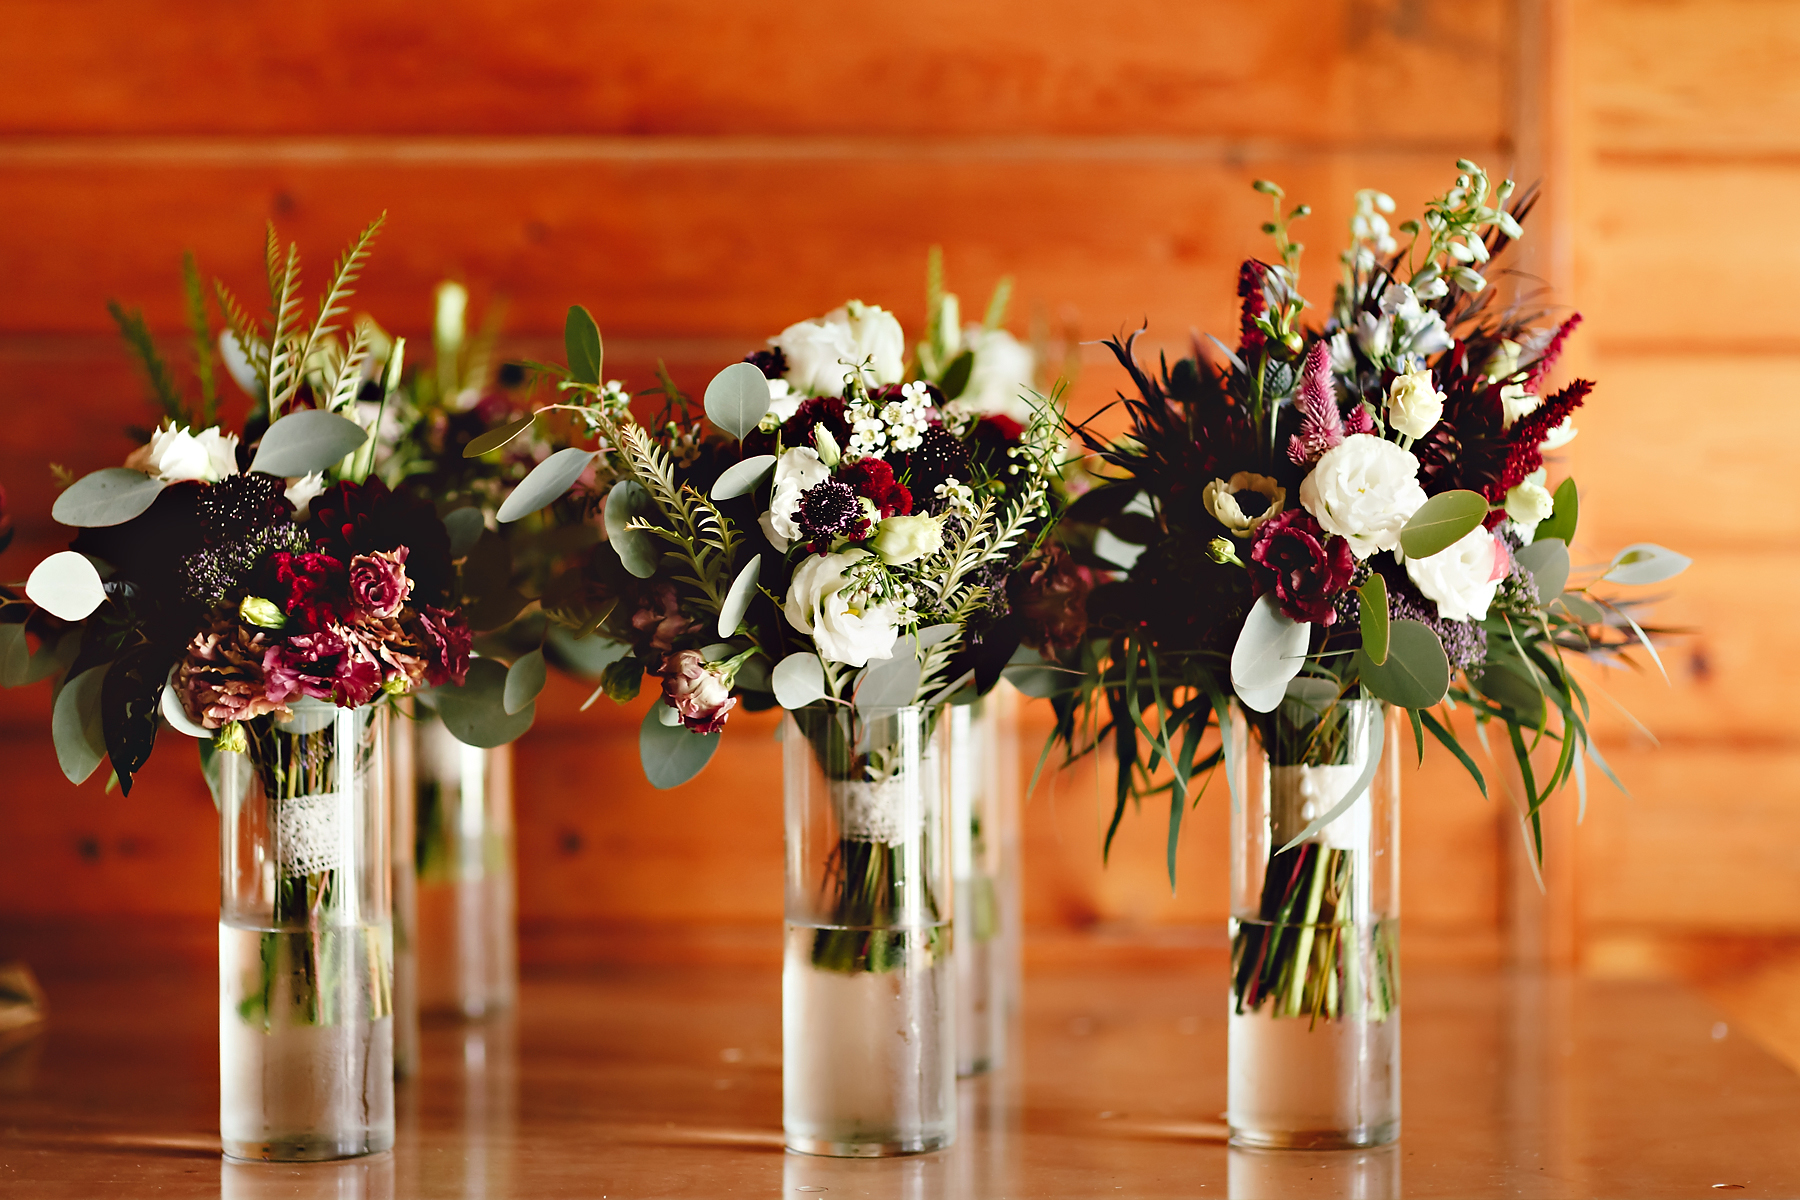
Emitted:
pixel 175 455
pixel 844 632
pixel 1529 503
pixel 302 490
pixel 1003 370
pixel 901 540
pixel 1364 490
pixel 795 471
pixel 1463 578
pixel 1414 404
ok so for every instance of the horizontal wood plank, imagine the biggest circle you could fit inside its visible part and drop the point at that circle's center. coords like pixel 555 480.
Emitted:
pixel 1320 71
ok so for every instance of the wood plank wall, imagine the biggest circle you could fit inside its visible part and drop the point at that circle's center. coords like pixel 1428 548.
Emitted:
pixel 702 175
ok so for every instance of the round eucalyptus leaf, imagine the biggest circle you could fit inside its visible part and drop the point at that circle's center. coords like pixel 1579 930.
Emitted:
pixel 547 481
pixel 1646 562
pixel 66 585
pixel 740 478
pixel 111 496
pixel 1032 674
pixel 1270 648
pixel 737 600
pixel 1417 671
pixel 76 726
pixel 524 680
pixel 1441 522
pixel 798 680
pixel 464 526
pixel 307 441
pixel 1548 561
pixel 635 548
pixel 672 754
pixel 737 398
pixel 475 713
pixel 892 682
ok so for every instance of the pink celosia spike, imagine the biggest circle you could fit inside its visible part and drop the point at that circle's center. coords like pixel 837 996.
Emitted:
pixel 1321 425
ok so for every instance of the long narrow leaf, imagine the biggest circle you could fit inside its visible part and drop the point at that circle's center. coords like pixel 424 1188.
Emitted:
pixel 1443 734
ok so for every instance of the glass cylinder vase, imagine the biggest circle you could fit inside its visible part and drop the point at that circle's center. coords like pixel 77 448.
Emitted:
pixel 466 940
pixel 1315 985
pixel 305 940
pixel 983 841
pixel 868 990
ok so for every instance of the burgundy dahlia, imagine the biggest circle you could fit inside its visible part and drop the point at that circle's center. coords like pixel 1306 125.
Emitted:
pixel 874 479
pixel 1293 558
pixel 1050 596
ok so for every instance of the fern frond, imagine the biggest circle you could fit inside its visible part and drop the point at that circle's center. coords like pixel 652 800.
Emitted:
pixel 204 347
pixel 347 381
pixel 343 276
pixel 286 364
pixel 249 337
pixel 163 392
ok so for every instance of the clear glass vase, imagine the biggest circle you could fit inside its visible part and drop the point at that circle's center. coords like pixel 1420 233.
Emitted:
pixel 465 936
pixel 983 839
pixel 305 941
pixel 868 990
pixel 1315 986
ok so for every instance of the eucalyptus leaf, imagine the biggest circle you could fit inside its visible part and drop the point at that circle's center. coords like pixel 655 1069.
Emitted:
pixel 524 680
pixel 666 715
pixel 1417 671
pixel 547 481
pixel 672 754
pixel 892 682
pixel 635 548
pixel 1548 561
pixel 1646 562
pixel 1563 517
pixel 1582 609
pixel 737 600
pixel 497 437
pixel 464 526
pixel 307 441
pixel 587 656
pixel 1441 522
pixel 111 496
pixel 1308 698
pixel 1270 648
pixel 582 344
pixel 475 713
pixel 1374 618
pixel 931 635
pixel 1032 674
pixel 737 398
pixel 1512 683
pixel 798 680
pixel 955 379
pixel 76 726
pixel 15 656
pixel 66 585
pixel 1262 699
pixel 740 478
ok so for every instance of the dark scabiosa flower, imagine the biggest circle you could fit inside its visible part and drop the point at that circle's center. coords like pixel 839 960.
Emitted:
pixel 830 510
pixel 771 362
pixel 1293 558
pixel 939 458
pixel 239 505
pixel 873 479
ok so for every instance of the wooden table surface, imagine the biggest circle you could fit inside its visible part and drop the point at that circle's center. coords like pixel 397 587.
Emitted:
pixel 667 1082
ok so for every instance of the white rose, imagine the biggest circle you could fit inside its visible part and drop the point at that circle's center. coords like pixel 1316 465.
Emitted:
pixel 175 455
pixel 818 353
pixel 1364 490
pixel 1004 368
pixel 795 471
pixel 875 333
pixel 1529 503
pixel 844 633
pixel 1414 404
pixel 303 490
pixel 901 540
pixel 1463 578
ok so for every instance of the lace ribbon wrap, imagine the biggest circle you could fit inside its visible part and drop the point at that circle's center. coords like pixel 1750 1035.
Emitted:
pixel 310 834
pixel 876 812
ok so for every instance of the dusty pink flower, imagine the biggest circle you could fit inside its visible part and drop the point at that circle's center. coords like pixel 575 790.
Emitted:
pixel 446 640
pixel 378 582
pixel 695 690
pixel 220 678
pixel 659 616
pixel 328 665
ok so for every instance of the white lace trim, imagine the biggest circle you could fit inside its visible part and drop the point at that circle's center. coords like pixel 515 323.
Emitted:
pixel 310 834
pixel 873 812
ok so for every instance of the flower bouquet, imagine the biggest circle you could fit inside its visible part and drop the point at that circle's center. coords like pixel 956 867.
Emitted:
pixel 841 552
pixel 1327 524
pixel 264 594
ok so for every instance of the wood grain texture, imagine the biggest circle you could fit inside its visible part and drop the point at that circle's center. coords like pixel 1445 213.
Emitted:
pixel 1320 72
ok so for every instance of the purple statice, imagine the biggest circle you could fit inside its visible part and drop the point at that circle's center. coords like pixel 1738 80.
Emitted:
pixel 1465 643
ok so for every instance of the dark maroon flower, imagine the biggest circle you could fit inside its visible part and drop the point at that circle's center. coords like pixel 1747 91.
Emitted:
pixel 350 519
pixel 312 589
pixel 692 688
pixel 1292 557
pixel 659 618
pixel 1051 596
pixel 828 411
pixel 874 479
pixel 378 582
pixel 446 641
pixel 771 362
pixel 1250 290
pixel 828 510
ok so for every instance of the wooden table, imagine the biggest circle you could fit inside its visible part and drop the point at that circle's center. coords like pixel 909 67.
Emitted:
pixel 667 1082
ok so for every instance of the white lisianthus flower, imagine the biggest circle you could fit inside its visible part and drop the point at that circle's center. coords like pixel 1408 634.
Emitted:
pixel 1364 490
pixel 784 402
pixel 1003 369
pixel 1414 404
pixel 845 632
pixel 302 490
pixel 1343 359
pixel 1463 578
pixel 1374 334
pixel 818 355
pixel 175 455
pixel 795 471
pixel 1516 402
pixel 901 540
pixel 875 333
pixel 1529 503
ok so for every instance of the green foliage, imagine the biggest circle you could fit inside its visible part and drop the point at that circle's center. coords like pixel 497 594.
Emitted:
pixel 164 392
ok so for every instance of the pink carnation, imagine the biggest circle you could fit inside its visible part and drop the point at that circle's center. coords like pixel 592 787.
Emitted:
pixel 378 582
pixel 447 641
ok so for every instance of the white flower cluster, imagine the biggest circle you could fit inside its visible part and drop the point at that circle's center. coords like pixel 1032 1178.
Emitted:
pixel 1406 331
pixel 822 353
pixel 958 497
pixel 898 424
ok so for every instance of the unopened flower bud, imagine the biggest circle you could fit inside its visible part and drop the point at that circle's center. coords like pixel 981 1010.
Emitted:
pixel 1220 551
pixel 826 445
pixel 397 685
pixel 265 614
pixel 231 739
